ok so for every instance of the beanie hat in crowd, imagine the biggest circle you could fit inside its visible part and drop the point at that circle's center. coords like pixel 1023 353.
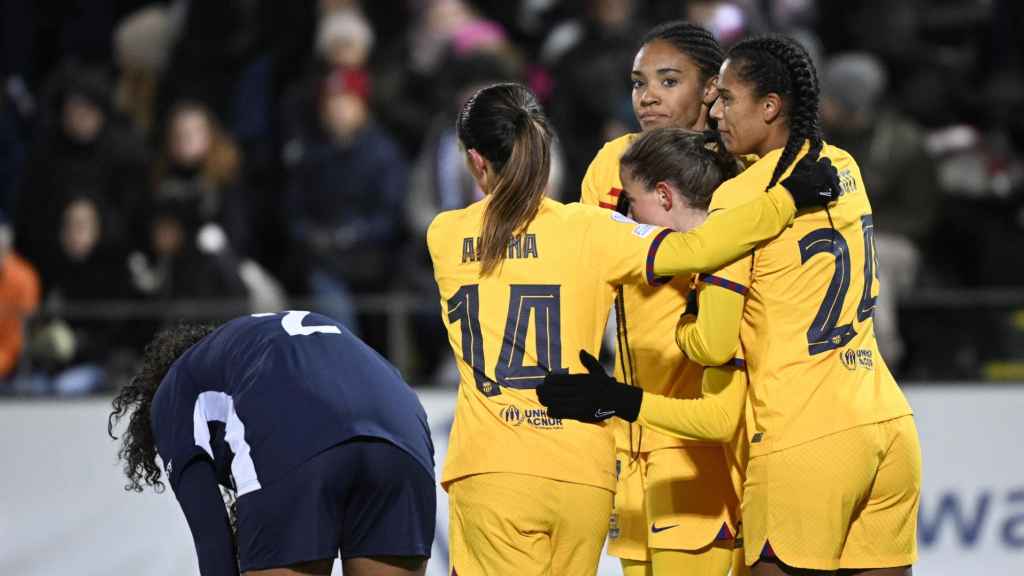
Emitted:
pixel 856 80
pixel 353 81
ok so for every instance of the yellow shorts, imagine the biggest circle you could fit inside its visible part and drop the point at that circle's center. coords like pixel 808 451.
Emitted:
pixel 847 500
pixel 672 499
pixel 502 523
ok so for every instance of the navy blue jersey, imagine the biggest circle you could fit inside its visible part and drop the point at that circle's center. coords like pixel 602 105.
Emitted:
pixel 264 393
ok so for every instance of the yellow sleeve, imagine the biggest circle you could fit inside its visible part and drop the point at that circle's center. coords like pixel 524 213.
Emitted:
pixel 621 250
pixel 714 338
pixel 713 417
pixel 725 236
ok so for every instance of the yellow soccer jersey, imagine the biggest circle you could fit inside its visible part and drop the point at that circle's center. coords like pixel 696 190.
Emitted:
pixel 601 184
pixel 655 363
pixel 543 304
pixel 807 332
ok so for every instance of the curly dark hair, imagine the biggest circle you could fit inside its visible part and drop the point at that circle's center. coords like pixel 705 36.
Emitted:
pixel 779 64
pixel 138 447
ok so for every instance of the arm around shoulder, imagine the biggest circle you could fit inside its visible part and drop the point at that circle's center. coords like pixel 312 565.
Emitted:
pixel 726 235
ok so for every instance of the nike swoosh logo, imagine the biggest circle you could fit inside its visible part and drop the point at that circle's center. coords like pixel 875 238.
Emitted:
pixel 603 413
pixel 655 529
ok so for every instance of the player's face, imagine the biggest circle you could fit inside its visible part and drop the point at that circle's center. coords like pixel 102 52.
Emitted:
pixel 667 88
pixel 739 114
pixel 646 205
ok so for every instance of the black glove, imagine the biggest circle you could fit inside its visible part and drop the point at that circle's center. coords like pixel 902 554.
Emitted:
pixel 590 397
pixel 814 182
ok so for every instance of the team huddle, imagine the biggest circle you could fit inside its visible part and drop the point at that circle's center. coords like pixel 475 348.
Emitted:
pixel 750 425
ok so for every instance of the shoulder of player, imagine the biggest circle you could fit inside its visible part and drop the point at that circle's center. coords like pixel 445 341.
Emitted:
pixel 742 188
pixel 613 149
pixel 849 171
pixel 450 221
pixel 603 172
pixel 840 158
pixel 586 220
pixel 578 213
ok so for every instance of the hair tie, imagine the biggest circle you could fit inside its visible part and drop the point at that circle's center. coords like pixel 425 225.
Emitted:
pixel 521 119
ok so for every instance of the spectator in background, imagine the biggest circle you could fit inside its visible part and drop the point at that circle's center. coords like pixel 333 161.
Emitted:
pixel 142 46
pixel 72 343
pixel 406 72
pixel 215 43
pixel 440 179
pixel 591 99
pixel 344 41
pixel 19 297
pixel 981 171
pixel 899 175
pixel 191 262
pixel 81 144
pixel 12 153
pixel 201 166
pixel 345 196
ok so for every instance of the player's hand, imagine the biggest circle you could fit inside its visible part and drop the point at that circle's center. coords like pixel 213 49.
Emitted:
pixel 590 397
pixel 814 182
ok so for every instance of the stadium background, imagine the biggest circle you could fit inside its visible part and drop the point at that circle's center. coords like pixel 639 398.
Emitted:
pixel 198 160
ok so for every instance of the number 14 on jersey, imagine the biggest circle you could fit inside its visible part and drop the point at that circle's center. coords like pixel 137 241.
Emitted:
pixel 539 302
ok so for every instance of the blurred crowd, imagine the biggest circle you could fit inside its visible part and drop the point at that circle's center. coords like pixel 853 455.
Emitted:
pixel 163 158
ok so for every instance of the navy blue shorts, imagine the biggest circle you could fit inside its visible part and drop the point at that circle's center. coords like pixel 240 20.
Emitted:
pixel 365 497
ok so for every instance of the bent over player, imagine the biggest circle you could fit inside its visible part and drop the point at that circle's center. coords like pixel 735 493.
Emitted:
pixel 324 445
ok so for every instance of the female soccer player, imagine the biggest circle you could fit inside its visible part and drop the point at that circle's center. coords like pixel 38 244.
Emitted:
pixel 692 481
pixel 521 279
pixel 833 480
pixel 323 444
pixel 673 79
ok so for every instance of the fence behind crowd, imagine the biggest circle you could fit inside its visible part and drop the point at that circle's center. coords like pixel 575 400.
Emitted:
pixel 946 335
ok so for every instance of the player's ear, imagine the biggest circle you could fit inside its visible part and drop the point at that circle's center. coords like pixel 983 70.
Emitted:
pixel 771 107
pixel 479 167
pixel 710 93
pixel 665 198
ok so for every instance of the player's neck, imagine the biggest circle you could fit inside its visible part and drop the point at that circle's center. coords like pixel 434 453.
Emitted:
pixel 701 123
pixel 776 139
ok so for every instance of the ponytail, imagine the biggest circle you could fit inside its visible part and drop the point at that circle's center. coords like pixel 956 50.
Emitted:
pixel 506 126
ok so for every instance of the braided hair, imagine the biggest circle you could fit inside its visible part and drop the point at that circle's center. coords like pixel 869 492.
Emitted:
pixel 694 41
pixel 779 64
